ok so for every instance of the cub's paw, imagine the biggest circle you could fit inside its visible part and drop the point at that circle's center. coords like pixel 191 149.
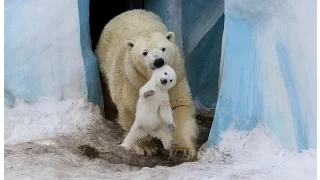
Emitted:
pixel 172 127
pixel 146 148
pixel 183 154
pixel 124 146
pixel 149 93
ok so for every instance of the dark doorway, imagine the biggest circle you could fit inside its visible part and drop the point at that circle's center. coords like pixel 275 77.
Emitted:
pixel 101 12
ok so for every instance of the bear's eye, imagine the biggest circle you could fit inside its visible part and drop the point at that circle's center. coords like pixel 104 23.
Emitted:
pixel 163 49
pixel 165 73
pixel 171 80
pixel 145 53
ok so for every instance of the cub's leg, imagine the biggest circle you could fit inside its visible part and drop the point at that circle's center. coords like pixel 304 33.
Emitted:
pixel 136 132
pixel 165 113
pixel 142 146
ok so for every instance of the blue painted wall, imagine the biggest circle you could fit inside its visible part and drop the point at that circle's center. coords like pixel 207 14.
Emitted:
pixel 269 71
pixel 239 99
pixel 91 67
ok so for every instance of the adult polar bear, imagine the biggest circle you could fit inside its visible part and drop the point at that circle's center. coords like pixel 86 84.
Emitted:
pixel 130 46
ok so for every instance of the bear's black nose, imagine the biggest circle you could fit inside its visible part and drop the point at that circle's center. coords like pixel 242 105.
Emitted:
pixel 164 81
pixel 158 63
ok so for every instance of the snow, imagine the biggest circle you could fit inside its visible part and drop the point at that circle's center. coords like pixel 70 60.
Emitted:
pixel 46 118
pixel 41 141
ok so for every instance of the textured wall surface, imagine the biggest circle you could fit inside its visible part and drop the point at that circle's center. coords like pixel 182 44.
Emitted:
pixel 43 56
pixel 42 50
pixel 269 70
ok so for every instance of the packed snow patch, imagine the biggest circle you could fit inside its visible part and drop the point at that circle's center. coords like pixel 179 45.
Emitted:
pixel 46 119
pixel 42 139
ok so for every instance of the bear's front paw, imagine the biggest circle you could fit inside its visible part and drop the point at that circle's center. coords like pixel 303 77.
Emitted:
pixel 183 154
pixel 148 93
pixel 146 148
pixel 172 127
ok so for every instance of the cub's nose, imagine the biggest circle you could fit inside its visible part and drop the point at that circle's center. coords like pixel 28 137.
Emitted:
pixel 158 63
pixel 164 81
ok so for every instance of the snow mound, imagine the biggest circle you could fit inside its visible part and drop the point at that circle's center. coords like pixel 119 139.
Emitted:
pixel 46 119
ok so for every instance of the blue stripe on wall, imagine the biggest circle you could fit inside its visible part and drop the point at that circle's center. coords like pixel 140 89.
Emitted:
pixel 91 67
pixel 288 77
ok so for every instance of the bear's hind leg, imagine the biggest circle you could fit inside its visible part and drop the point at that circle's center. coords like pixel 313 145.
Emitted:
pixel 126 120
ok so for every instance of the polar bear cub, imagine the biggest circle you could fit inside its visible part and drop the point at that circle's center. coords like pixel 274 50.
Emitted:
pixel 153 111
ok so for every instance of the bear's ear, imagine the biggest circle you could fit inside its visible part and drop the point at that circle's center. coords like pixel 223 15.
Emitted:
pixel 171 37
pixel 129 44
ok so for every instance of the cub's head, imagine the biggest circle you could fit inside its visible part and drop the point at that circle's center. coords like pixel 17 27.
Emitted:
pixel 164 77
pixel 151 51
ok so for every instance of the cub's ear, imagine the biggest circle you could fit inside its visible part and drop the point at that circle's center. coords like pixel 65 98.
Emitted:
pixel 170 36
pixel 129 44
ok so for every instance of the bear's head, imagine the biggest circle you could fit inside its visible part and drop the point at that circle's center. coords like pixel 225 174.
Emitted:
pixel 151 50
pixel 165 77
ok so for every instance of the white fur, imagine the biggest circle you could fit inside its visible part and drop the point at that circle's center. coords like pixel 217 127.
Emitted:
pixel 153 112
